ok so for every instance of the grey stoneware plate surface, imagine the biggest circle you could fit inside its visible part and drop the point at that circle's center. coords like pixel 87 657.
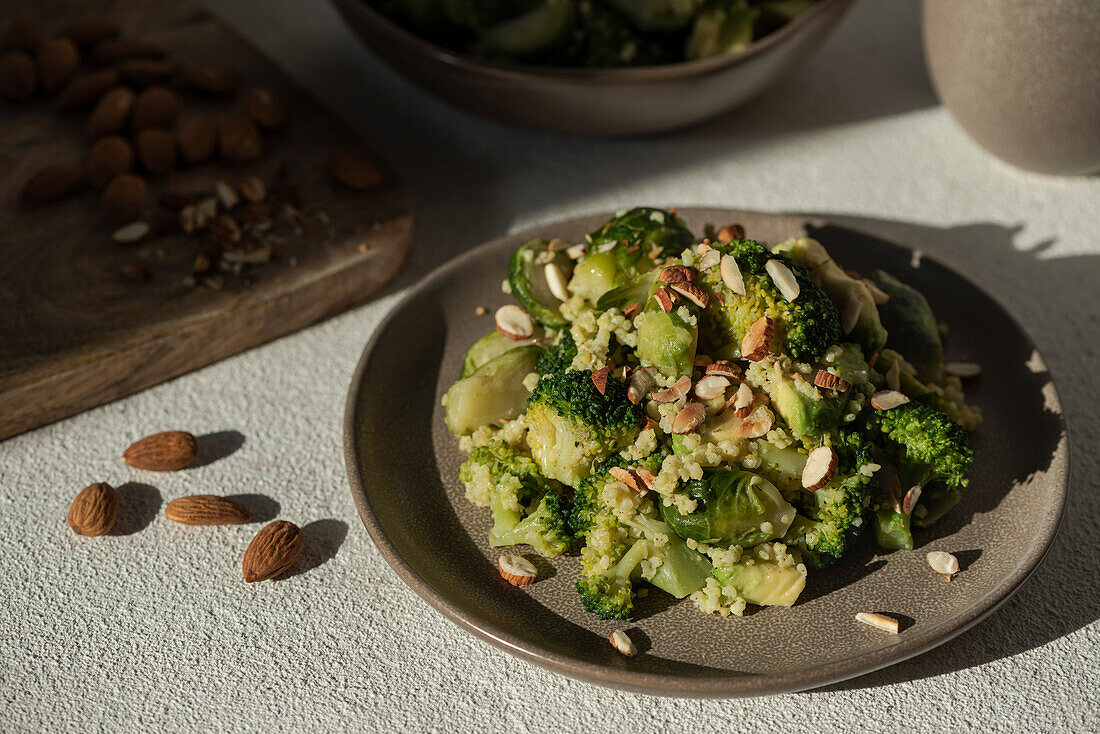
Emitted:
pixel 628 101
pixel 403 468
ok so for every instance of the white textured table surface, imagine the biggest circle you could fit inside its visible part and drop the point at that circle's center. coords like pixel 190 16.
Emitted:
pixel 155 629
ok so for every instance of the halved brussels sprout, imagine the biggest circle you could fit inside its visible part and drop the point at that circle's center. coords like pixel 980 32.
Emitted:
pixel 527 277
pixel 484 350
pixel 760 579
pixel 734 507
pixel 495 391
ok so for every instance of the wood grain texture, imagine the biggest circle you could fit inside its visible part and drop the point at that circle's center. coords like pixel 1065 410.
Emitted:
pixel 75 333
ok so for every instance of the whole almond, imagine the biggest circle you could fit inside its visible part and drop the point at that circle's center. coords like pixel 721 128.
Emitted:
pixel 206 509
pixel 157 106
pixel 94 510
pixel 52 182
pixel 24 35
pixel 156 150
pixel 354 171
pixel 58 58
pixel 164 451
pixel 197 138
pixel 208 75
pixel 124 198
pixel 264 108
pixel 238 138
pixel 111 113
pixel 18 77
pixel 274 550
pixel 143 72
pixel 88 32
pixel 115 50
pixel 86 90
pixel 109 157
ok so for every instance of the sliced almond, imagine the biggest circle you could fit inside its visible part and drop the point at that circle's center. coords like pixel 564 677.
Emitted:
pixel 829 381
pixel 130 233
pixel 742 401
pixel 555 279
pixel 632 310
pixel 576 252
pixel 692 292
pixel 909 501
pixel 731 275
pixel 673 392
pixel 758 339
pixel 678 274
pixel 756 425
pixel 819 469
pixel 226 195
pixel 599 379
pixel 710 259
pixel 515 323
pixel 888 399
pixel 724 368
pixel 731 232
pixel 253 189
pixel 626 477
pixel 849 315
pixel 893 375
pixel 878 295
pixel 622 643
pixel 711 386
pixel 517 570
pixel 965 371
pixel 647 478
pixel 666 298
pixel 784 279
pixel 690 417
pixel 641 382
pixel 650 424
pixel 943 562
pixel 558 245
pixel 881 621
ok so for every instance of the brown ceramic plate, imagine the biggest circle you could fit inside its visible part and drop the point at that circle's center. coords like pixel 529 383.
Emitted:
pixel 584 101
pixel 403 467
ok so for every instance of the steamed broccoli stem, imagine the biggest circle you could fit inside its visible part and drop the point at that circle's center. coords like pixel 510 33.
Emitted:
pixel 610 595
pixel 892 529
pixel 682 569
pixel 505 518
pixel 545 529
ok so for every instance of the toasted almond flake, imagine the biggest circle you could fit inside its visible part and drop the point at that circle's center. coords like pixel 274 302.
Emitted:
pixel 893 375
pixel 517 570
pixel 758 339
pixel 555 279
pixel 731 275
pixel 742 400
pixel 130 233
pixel 599 379
pixel 909 501
pixel 963 370
pixel 711 386
pixel 703 248
pixel 692 292
pixel 710 259
pixel 943 562
pixel 226 195
pixel 725 368
pixel 666 298
pixel 650 424
pixel 622 374
pixel 819 469
pixel 632 310
pixel 673 392
pixel 731 232
pixel 872 360
pixel 915 259
pixel 881 621
pixel 783 278
pixel 576 252
pixel 888 399
pixel 253 189
pixel 626 477
pixel 515 323
pixel 829 381
pixel 678 274
pixel 558 245
pixel 641 382
pixel 849 315
pixel 878 295
pixel 646 477
pixel 689 418
pixel 756 425
pixel 607 247
pixel 623 644
pixel 481 310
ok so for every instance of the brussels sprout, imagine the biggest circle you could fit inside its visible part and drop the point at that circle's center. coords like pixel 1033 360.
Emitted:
pixel 610 40
pixel 734 507
pixel 763 580
pixel 495 391
pixel 543 27
pixel 485 349
pixel 527 277
pixel 480 14
pixel 911 326
pixel 634 291
pixel 720 28
pixel 658 15
pixel 666 341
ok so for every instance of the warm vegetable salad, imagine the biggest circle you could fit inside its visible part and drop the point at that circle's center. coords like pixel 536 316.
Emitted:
pixel 710 416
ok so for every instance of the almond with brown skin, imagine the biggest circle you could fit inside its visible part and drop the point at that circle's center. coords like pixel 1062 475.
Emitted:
pixel 109 157
pixel 52 182
pixel 354 171
pixel 115 50
pixel 89 32
pixel 666 299
pixel 829 381
pixel 156 107
pixel 164 451
pixel 690 417
pixel 274 550
pixel 197 138
pixel 206 509
pixel 86 90
pixel 692 292
pixel 239 138
pixel 208 75
pixel 111 113
pixel 673 392
pixel 94 510
pixel 24 35
pixel 819 468
pixel 145 72
pixel 264 108
pixel 58 59
pixel 599 379
pixel 731 232
pixel 678 274
pixel 124 198
pixel 156 151
pixel 758 339
pixel 18 77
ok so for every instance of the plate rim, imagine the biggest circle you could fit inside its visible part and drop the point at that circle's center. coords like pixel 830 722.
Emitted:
pixel 671 685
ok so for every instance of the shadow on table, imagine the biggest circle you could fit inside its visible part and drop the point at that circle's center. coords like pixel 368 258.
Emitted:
pixel 1055 300
pixel 323 539
pixel 138 505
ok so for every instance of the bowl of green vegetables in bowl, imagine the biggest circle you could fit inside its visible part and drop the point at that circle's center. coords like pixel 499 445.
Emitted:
pixel 594 67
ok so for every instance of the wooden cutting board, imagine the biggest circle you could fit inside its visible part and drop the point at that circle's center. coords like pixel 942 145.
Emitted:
pixel 75 332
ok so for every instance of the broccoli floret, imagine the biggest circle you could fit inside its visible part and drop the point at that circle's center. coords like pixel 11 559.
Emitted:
pixel 611 41
pixel 572 428
pixel 804 329
pixel 546 529
pixel 610 595
pixel 925 443
pixel 589 510
pixel 559 357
